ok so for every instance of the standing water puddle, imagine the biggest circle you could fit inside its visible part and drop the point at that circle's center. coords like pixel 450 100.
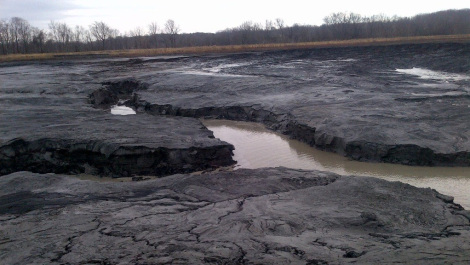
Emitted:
pixel 256 147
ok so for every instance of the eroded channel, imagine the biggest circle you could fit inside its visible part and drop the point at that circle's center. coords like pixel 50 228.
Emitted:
pixel 257 147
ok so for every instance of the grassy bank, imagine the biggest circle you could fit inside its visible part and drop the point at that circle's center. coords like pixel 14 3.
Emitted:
pixel 237 48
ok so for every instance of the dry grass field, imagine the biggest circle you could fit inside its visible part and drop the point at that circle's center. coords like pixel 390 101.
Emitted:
pixel 237 48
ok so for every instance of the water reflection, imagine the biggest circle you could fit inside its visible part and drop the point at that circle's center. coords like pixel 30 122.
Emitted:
pixel 257 147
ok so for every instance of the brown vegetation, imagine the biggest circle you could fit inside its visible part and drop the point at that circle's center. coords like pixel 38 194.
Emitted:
pixel 465 38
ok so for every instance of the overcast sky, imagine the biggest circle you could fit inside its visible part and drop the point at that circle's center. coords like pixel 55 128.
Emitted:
pixel 205 15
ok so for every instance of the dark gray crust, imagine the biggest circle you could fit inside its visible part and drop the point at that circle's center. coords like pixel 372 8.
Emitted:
pixel 264 216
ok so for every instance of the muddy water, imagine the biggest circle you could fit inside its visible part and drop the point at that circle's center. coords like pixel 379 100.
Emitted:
pixel 257 147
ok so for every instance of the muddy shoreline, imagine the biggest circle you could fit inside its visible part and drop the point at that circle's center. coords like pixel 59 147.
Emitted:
pixel 258 147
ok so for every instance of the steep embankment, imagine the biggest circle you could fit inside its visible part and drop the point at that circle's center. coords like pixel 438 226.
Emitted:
pixel 93 141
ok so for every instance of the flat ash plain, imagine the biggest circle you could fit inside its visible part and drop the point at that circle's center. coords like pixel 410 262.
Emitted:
pixel 407 104
pixel 352 101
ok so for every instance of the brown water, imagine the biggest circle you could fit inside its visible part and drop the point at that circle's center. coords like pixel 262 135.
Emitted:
pixel 256 147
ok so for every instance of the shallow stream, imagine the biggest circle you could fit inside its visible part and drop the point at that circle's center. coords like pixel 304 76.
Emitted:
pixel 257 147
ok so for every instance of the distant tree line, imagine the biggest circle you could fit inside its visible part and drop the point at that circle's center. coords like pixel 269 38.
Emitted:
pixel 18 36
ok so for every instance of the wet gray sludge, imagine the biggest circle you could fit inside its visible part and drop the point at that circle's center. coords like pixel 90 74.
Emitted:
pixel 263 216
pixel 352 101
pixel 405 104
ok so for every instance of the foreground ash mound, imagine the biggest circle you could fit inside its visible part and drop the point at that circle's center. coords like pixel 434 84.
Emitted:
pixel 264 216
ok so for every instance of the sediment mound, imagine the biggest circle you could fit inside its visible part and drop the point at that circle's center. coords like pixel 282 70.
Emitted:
pixel 99 143
pixel 264 216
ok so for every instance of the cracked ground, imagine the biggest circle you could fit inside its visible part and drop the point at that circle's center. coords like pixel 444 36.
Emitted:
pixel 262 216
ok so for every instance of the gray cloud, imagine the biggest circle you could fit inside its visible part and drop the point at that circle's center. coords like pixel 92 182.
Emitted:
pixel 38 12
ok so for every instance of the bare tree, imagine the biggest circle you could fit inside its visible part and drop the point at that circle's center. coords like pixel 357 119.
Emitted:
pixel 4 36
pixel 78 36
pixel 247 26
pixel 172 30
pixel 354 18
pixel 153 31
pixel 101 31
pixel 269 25
pixel 379 18
pixel 19 30
pixel 15 25
pixel 153 28
pixel 88 37
pixel 280 23
pixel 61 33
pixel 114 33
pixel 268 31
pixel 54 30
pixel 65 33
pixel 17 35
pixel 250 31
pixel 280 26
pixel 24 30
pixel 39 38
pixel 137 34
pixel 335 18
